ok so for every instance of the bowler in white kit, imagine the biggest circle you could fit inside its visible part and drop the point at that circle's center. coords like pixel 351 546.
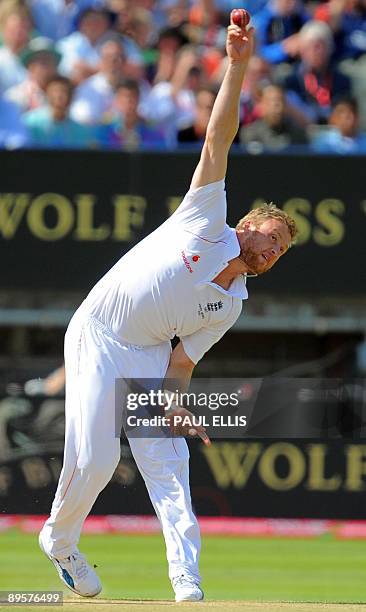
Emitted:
pixel 186 279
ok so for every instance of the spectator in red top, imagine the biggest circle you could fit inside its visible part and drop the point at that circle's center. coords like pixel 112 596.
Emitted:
pixel 314 81
pixel 347 18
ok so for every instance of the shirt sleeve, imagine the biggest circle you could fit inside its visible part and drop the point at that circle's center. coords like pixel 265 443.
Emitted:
pixel 203 211
pixel 197 344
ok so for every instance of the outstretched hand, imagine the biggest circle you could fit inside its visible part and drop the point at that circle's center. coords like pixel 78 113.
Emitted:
pixel 239 43
pixel 183 425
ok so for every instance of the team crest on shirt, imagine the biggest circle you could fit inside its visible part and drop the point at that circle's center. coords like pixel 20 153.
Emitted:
pixel 213 306
pixel 209 307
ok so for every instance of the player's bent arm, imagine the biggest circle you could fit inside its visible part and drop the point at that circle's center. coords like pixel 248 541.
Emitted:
pixel 224 120
pixel 180 369
pixel 179 373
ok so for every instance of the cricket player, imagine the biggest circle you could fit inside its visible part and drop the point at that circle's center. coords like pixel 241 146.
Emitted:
pixel 159 289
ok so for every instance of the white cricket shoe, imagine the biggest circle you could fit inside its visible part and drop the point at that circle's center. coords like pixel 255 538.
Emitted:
pixel 75 572
pixel 186 588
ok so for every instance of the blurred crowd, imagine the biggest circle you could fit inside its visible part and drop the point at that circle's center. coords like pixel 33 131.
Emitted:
pixel 132 74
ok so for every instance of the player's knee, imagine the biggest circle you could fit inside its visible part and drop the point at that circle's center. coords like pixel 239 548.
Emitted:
pixel 102 463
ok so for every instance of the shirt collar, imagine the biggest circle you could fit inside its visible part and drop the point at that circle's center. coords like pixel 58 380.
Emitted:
pixel 233 246
pixel 237 288
pixel 232 249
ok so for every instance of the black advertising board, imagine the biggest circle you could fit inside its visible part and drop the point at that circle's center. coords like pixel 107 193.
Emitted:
pixel 66 217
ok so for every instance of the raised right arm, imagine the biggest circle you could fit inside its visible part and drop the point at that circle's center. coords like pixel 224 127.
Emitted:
pixel 224 120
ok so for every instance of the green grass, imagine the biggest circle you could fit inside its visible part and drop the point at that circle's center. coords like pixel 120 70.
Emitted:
pixel 321 569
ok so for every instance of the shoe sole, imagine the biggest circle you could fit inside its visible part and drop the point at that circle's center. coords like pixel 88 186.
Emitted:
pixel 194 599
pixel 58 569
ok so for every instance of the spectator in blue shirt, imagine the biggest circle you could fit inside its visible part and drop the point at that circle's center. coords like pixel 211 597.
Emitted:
pixel 94 96
pixel 125 128
pixel 343 135
pixel 348 22
pixel 57 18
pixel 81 50
pixel 13 133
pixel 277 26
pixel 226 6
pixel 51 126
pixel 351 36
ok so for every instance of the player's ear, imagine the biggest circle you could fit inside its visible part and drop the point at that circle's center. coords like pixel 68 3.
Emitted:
pixel 247 225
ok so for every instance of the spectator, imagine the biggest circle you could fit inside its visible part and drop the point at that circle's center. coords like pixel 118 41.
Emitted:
pixel 170 42
pixel 41 60
pixel 135 28
pixel 343 135
pixel 56 19
pixel 51 126
pixel 128 130
pixel 275 130
pixel 16 29
pixel 13 134
pixel 347 18
pixel 151 36
pixel 258 75
pixel 175 12
pixel 314 82
pixel 277 26
pixel 206 30
pixel 225 6
pixel 155 7
pixel 94 97
pixel 81 50
pixel 173 102
pixel 53 384
pixel 195 133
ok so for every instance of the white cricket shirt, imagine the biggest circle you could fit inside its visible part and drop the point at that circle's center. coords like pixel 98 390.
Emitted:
pixel 163 286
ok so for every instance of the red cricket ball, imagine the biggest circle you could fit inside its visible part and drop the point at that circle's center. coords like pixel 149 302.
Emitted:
pixel 240 17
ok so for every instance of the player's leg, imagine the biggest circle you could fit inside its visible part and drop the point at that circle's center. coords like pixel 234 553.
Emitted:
pixel 164 465
pixel 92 449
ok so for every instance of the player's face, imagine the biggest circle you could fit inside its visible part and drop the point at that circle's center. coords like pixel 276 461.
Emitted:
pixel 263 245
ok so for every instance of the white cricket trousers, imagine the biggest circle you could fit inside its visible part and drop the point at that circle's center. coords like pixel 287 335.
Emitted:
pixel 94 358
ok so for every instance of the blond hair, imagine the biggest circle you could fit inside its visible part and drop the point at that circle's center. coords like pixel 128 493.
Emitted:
pixel 258 215
pixel 10 7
